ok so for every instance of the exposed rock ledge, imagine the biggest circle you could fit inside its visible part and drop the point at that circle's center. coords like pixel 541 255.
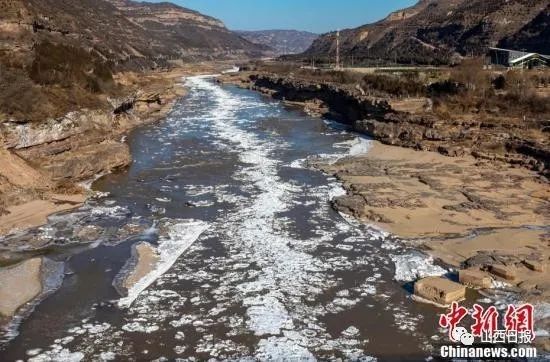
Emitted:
pixel 465 212
pixel 377 118
pixel 471 210
pixel 43 161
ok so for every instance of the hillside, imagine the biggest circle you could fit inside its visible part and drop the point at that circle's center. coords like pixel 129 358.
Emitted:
pixel 441 31
pixel 122 30
pixel 533 36
pixel 281 41
pixel 177 32
pixel 60 55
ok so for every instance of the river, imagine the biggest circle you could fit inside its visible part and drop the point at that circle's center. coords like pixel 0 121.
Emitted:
pixel 254 262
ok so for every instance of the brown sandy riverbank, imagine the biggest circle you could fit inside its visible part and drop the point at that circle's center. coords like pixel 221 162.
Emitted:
pixel 463 211
pixel 144 260
pixel 36 212
pixel 20 284
pixel 43 162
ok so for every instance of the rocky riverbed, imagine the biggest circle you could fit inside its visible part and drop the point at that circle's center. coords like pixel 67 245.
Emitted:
pixel 465 212
pixel 222 241
pixel 407 123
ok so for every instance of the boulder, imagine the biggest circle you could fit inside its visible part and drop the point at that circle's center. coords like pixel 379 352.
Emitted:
pixel 439 290
pixel 535 265
pixel 505 272
pixel 475 278
pixel 88 233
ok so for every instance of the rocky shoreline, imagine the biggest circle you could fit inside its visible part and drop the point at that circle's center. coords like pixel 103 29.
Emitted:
pixel 482 212
pixel 398 122
pixel 46 166
pixel 481 217
pixel 45 163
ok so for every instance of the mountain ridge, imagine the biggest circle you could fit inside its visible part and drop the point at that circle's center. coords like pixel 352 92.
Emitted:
pixel 436 32
pixel 282 41
pixel 122 30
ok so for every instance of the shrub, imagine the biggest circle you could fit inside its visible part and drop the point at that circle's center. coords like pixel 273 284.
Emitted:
pixel 19 97
pixel 499 82
pixel 445 88
pixel 394 85
pixel 68 66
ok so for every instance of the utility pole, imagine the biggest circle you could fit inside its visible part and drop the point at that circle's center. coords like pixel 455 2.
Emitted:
pixel 338 49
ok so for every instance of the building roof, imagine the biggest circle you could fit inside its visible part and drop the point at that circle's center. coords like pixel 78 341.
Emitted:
pixel 529 55
pixel 518 56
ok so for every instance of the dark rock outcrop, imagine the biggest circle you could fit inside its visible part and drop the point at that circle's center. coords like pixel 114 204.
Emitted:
pixel 376 118
pixel 344 104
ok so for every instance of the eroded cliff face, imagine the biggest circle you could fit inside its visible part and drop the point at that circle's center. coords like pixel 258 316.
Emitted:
pixel 165 14
pixel 44 162
pixel 343 104
pixel 377 118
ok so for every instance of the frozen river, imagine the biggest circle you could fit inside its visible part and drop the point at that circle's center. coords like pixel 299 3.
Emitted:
pixel 253 261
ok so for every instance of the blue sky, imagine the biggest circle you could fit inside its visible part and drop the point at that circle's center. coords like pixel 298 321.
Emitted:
pixel 313 15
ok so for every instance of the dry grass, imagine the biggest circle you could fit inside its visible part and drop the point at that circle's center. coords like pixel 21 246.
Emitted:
pixel 473 90
pixel 61 78
pixel 467 89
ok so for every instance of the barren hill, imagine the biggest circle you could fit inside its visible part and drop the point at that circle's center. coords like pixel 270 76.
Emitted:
pixel 440 31
pixel 122 30
pixel 60 55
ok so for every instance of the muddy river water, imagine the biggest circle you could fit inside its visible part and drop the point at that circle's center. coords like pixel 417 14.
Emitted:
pixel 254 263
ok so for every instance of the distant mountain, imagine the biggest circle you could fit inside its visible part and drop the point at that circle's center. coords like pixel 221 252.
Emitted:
pixel 440 31
pixel 281 41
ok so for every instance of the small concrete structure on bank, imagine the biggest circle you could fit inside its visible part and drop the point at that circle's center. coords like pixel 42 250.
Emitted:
pixel 439 290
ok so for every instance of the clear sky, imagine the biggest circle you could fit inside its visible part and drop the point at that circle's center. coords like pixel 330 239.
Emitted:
pixel 318 16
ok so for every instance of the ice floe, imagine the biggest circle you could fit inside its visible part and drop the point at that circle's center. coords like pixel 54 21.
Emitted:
pixel 255 287
pixel 181 235
pixel 413 265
